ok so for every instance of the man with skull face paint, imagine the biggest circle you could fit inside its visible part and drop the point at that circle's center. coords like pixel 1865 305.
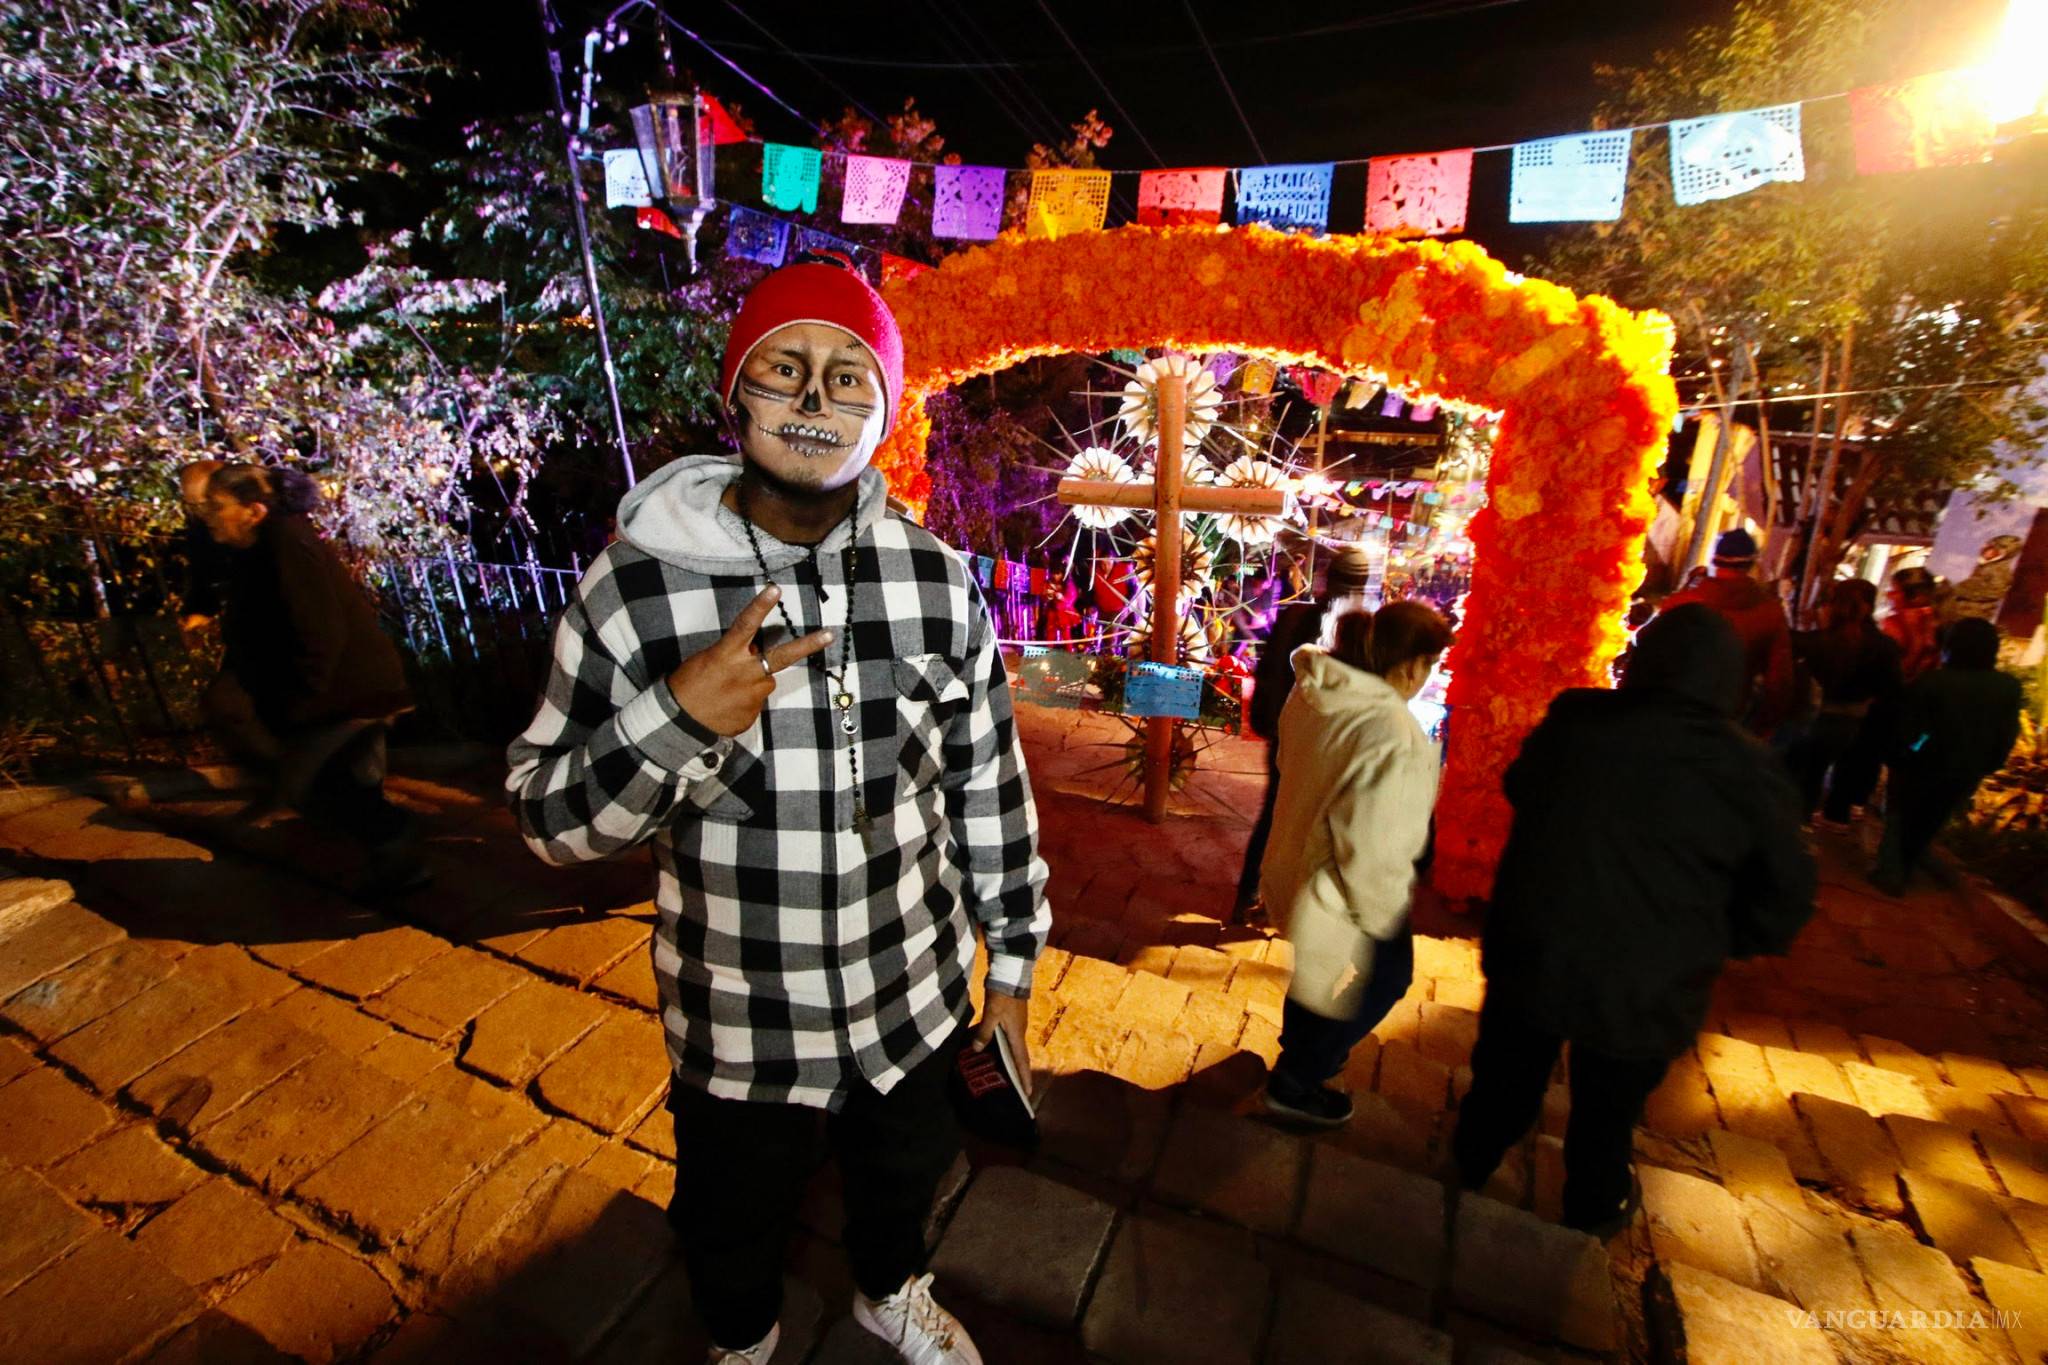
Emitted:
pixel 797 698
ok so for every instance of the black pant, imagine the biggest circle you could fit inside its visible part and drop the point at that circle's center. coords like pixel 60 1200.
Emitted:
pixel 1313 1047
pixel 742 1167
pixel 347 790
pixel 1917 807
pixel 1822 749
pixel 1262 831
pixel 1511 1066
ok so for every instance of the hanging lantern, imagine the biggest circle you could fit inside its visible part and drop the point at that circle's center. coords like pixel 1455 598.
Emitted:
pixel 674 133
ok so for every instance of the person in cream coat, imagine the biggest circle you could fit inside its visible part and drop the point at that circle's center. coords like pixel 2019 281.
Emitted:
pixel 1358 779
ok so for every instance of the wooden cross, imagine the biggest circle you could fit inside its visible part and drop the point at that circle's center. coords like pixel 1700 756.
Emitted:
pixel 1168 499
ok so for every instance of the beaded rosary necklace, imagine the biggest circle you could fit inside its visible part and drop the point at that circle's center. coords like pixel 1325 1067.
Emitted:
pixel 842 694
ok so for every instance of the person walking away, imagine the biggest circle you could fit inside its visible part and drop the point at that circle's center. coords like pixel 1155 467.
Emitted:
pixel 1357 784
pixel 1344 581
pixel 1960 723
pixel 229 714
pixel 799 700
pixel 1759 621
pixel 1854 667
pixel 323 680
pixel 1914 624
pixel 1652 841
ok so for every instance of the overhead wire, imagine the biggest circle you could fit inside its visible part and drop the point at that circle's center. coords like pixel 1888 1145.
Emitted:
pixel 1228 89
pixel 1095 75
pixel 804 61
pixel 737 69
pixel 997 95
pixel 1027 92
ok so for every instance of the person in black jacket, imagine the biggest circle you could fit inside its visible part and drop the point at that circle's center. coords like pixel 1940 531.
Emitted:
pixel 1272 682
pixel 304 644
pixel 1653 839
pixel 1855 667
pixel 1959 724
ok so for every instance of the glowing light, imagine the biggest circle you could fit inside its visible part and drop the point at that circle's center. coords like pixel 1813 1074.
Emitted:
pixel 2015 80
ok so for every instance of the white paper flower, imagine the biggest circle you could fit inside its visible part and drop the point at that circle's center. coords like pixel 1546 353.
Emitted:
pixel 1101 466
pixel 1140 410
pixel 1196 564
pixel 1195 644
pixel 1248 472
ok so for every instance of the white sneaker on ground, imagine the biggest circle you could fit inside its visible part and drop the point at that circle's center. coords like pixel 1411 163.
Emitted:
pixel 920 1331
pixel 758 1354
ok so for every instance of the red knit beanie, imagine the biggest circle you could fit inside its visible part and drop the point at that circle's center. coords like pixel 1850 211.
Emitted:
pixel 817 292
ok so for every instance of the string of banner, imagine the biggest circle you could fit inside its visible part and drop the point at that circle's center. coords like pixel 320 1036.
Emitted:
pixel 1941 119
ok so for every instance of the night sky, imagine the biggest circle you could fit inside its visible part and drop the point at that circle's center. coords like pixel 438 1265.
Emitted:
pixel 1317 82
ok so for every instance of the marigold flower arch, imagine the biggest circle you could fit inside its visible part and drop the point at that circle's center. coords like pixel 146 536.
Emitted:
pixel 1582 384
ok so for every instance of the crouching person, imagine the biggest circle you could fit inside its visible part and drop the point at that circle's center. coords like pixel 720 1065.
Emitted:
pixel 1652 841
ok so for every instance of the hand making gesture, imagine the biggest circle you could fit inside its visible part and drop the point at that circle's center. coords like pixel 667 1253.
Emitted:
pixel 724 686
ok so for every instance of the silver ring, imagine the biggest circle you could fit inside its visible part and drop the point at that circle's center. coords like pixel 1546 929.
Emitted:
pixel 766 667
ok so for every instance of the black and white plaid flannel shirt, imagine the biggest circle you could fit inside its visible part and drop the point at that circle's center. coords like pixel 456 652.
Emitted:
pixel 793 956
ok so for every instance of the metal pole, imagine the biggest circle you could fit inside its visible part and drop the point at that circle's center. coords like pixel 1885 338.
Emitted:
pixel 1710 497
pixel 577 201
pixel 1160 730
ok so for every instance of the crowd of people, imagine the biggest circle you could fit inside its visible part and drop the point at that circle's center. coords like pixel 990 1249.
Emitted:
pixel 798 701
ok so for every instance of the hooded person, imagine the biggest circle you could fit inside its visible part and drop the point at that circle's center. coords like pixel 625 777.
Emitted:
pixel 797 699
pixel 1652 841
pixel 1769 682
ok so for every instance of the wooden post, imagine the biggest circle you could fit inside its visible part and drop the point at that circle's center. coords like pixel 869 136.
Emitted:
pixel 1322 463
pixel 1159 730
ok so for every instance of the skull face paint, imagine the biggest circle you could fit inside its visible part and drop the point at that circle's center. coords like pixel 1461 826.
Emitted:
pixel 810 407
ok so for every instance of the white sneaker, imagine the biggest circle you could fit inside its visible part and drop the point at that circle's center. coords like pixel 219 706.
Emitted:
pixel 920 1331
pixel 758 1354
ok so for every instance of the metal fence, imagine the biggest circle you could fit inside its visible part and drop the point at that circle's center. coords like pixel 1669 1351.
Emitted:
pixel 78 688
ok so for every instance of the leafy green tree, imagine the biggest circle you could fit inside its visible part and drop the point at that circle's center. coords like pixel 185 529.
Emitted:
pixel 1920 296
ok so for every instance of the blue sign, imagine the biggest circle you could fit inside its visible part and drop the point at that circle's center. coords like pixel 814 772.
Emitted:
pixel 1162 690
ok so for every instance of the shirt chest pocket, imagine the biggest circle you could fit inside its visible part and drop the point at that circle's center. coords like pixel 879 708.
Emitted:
pixel 930 695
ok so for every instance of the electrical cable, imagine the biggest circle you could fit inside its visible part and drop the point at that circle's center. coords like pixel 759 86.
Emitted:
pixel 1028 89
pixel 804 62
pixel 1089 67
pixel 1011 89
pixel 1227 88
pixel 997 97
pixel 737 70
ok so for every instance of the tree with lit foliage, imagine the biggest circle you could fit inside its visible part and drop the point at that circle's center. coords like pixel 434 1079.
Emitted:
pixel 1924 295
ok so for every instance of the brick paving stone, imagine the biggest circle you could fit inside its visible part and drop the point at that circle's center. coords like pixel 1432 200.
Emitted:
pixel 1104 1125
pixel 363 966
pixel 2029 1116
pixel 105 1301
pixel 2021 1295
pixel 1092 984
pixel 1831 1041
pixel 513 1039
pixel 1964 1221
pixel 1723 1323
pixel 1981 1073
pixel 213 1232
pixel 1151 1002
pixel 658 1186
pixel 35 942
pixel 1082 1040
pixel 116 1048
pixel 617 1166
pixel 44 1117
pixel 433 1144
pixel 90 987
pixel 1211 1017
pixel 1906 1277
pixel 214 1338
pixel 1412 1081
pixel 14 1060
pixel 22 897
pixel 1804 1254
pixel 1698 1223
pixel 1234 1168
pixel 1456 959
pixel 1532 1275
pixel 315 1302
pixel 1156 958
pixel 1762 1030
pixel 1025 1244
pixel 217 1073
pixel 1725 1057
pixel 1747 1166
pixel 1882 1091
pixel 1896 1056
pixel 1797 1072
pixel 2022 1166
pixel 1861 1161
pixel 472 1221
pixel 1314 1324
pixel 631 979
pixel 446 993
pixel 2032 1221
pixel 1977 1110
pixel 294 1127
pixel 1464 995
pixel 609 1079
pixel 1262 1037
pixel 1206 969
pixel 1156 1060
pixel 1375 1215
pixel 1939 1149
pixel 1448 1033
pixel 583 951
pixel 334 1021
pixel 1546 1199
pixel 130 1166
pixel 37 1225
pixel 1383 1133
pixel 656 1133
pixel 1682 1106
pixel 1170 1294
pixel 404 1058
